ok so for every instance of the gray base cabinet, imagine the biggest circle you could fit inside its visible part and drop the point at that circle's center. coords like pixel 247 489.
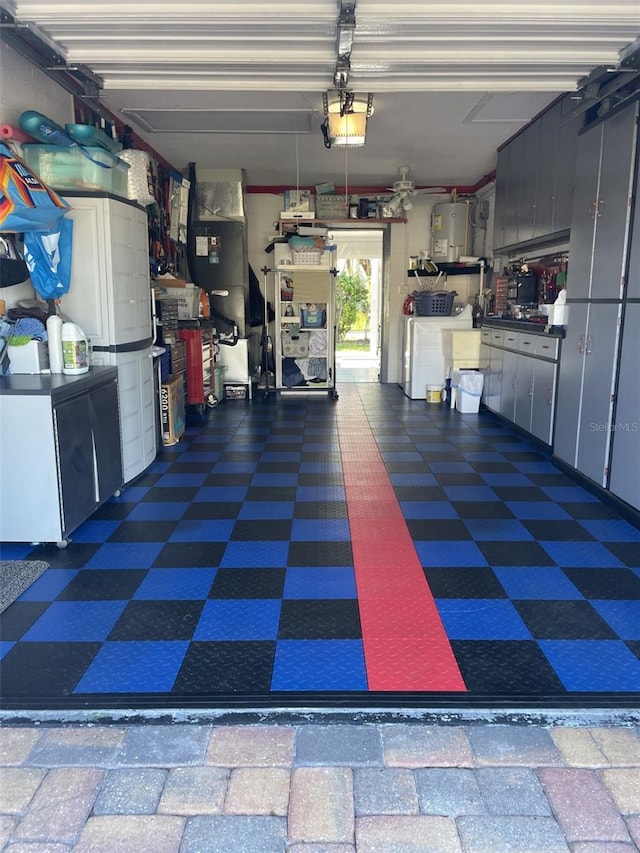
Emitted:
pixel 60 453
pixel 524 379
pixel 625 459
pixel 494 385
pixel 586 388
pixel 543 400
pixel 520 378
pixel 508 386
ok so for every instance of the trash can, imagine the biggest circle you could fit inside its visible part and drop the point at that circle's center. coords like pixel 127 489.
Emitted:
pixel 468 386
pixel 218 381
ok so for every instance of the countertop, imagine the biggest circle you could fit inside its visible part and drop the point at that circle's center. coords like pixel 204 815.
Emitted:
pixel 523 326
pixel 57 385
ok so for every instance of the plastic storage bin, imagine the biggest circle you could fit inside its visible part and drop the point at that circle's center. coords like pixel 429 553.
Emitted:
pixel 430 303
pixel 218 381
pixel 187 298
pixel 313 317
pixel 311 257
pixel 88 168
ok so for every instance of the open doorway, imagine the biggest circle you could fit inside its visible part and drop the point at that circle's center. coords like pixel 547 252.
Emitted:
pixel 359 315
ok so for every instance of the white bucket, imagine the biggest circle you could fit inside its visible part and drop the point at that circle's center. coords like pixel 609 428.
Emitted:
pixel 434 393
pixel 75 350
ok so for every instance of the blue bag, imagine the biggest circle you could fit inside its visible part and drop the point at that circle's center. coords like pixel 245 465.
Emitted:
pixel 26 203
pixel 48 257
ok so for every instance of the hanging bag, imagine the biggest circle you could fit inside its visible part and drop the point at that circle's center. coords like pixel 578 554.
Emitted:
pixel 26 203
pixel 13 269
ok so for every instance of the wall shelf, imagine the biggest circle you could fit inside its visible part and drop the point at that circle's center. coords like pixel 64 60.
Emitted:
pixel 449 269
pixel 286 224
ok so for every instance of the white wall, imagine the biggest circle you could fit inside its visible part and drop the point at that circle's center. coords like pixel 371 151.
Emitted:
pixel 24 87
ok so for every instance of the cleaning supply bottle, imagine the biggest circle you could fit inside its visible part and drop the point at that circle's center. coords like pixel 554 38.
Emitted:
pixel 75 350
pixel 54 341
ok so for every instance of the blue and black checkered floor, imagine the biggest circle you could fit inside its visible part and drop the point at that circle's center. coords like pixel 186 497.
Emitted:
pixel 225 576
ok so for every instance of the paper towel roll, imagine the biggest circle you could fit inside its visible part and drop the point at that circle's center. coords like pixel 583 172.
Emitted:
pixel 558 315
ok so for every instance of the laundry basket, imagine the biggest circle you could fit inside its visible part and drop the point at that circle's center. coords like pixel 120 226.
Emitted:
pixel 308 256
pixel 429 303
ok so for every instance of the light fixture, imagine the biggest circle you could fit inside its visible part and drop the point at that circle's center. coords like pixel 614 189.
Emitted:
pixel 346 117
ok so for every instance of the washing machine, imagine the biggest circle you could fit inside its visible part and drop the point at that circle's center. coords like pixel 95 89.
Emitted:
pixel 423 350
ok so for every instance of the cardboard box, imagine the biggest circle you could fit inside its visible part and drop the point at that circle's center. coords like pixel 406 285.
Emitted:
pixel 298 200
pixel 296 214
pixel 169 281
pixel 332 206
pixel 235 392
pixel 172 409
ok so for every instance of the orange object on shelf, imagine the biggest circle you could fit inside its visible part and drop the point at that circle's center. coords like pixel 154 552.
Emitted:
pixel 205 307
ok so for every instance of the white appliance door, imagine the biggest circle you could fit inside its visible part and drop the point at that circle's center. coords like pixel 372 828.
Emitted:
pixel 138 409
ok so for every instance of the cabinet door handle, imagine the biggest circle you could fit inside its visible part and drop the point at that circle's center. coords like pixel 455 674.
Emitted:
pixel 531 388
pixel 549 396
pixel 599 207
pixel 581 344
pixel 588 345
pixel 513 382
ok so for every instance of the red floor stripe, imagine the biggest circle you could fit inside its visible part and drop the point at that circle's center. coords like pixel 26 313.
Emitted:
pixel 405 645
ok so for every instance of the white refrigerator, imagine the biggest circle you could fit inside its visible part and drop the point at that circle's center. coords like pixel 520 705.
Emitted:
pixel 110 299
pixel 423 352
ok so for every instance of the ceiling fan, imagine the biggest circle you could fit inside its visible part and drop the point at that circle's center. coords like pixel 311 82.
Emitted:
pixel 404 189
pixel 404 185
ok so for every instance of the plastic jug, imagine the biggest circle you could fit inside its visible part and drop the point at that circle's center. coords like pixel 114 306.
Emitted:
pixel 75 350
pixel 54 340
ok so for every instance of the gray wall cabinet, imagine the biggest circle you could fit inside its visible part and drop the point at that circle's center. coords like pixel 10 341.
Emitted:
pixel 597 378
pixel 633 274
pixel 534 178
pixel 601 213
